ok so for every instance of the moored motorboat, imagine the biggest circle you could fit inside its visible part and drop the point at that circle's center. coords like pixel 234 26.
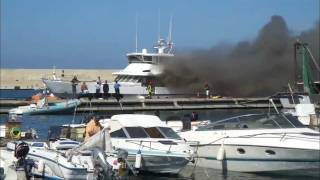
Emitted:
pixel 68 159
pixel 161 149
pixel 43 107
pixel 256 143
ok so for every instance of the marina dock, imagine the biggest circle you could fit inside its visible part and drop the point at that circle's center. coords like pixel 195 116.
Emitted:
pixel 130 105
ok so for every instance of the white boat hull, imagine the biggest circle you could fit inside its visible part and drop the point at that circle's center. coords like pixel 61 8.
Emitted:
pixel 58 164
pixel 255 158
pixel 64 88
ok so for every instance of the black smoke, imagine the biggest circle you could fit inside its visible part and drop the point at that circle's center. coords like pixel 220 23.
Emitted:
pixel 250 68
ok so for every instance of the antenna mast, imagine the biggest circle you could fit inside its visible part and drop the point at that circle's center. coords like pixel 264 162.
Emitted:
pixel 136 32
pixel 170 30
pixel 170 43
pixel 159 24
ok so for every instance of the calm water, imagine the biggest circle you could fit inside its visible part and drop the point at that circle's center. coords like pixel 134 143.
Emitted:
pixel 42 122
pixel 20 94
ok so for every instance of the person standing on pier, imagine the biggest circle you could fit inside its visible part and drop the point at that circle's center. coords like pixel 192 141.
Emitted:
pixel 105 89
pixel 84 88
pixel 74 82
pixel 149 90
pixel 117 90
pixel 98 87
pixel 207 89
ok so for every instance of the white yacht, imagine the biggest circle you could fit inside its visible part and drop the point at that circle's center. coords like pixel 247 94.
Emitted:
pixel 161 149
pixel 143 67
pixel 256 143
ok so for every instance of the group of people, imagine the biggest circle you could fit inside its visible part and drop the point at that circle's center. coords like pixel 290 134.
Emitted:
pixel 98 86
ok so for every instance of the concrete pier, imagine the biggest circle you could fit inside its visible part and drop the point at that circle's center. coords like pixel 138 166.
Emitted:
pixel 31 78
pixel 128 105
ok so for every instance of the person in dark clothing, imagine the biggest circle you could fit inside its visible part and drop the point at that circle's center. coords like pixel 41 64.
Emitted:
pixel 74 82
pixel 117 90
pixel 62 73
pixel 207 90
pixel 194 116
pixel 186 122
pixel 98 87
pixel 157 113
pixel 105 88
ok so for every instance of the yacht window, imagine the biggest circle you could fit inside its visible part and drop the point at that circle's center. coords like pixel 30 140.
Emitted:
pixel 118 134
pixel 169 133
pixel 154 132
pixel 147 58
pixel 270 152
pixel 137 132
pixel 241 151
pixel 134 59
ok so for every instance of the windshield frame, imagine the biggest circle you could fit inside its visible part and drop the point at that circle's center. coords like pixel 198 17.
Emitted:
pixel 290 122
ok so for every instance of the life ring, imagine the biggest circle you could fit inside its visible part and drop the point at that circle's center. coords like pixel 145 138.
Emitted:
pixel 15 133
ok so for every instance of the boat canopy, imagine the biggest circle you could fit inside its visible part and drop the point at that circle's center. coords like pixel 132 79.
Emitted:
pixel 134 120
pixel 254 121
pixel 140 126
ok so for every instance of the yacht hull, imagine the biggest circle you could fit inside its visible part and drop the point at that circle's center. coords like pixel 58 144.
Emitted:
pixel 63 89
pixel 246 158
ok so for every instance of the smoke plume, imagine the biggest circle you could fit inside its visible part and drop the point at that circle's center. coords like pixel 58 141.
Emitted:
pixel 250 68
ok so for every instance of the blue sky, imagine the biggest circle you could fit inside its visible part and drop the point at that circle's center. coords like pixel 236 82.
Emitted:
pixel 98 33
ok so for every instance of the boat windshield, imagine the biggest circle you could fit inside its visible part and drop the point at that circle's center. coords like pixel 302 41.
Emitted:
pixel 147 132
pixel 169 133
pixel 254 121
pixel 137 132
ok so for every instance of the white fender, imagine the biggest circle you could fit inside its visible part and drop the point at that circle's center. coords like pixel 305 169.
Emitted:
pixel 137 163
pixel 41 166
pixel 221 153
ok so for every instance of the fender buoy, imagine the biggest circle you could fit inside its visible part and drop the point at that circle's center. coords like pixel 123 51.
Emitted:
pixel 15 133
pixel 221 153
pixel 41 166
pixel 137 163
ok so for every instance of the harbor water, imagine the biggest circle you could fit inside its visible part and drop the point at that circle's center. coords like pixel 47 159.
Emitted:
pixel 41 124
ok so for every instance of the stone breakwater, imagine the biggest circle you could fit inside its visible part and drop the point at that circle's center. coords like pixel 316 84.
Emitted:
pixel 31 78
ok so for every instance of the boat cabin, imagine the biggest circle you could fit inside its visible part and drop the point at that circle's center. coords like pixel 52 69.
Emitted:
pixel 140 126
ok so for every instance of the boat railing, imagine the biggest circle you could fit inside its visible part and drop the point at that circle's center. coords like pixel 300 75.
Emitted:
pixel 141 145
pixel 66 78
pixel 268 117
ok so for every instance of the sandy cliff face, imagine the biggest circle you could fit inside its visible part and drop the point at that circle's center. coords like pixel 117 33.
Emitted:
pixel 31 78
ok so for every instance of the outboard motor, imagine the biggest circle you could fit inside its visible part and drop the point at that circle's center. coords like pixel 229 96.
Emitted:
pixel 102 170
pixel 20 152
pixel 123 165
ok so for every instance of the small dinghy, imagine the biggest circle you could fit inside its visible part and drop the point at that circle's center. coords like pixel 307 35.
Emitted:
pixel 45 107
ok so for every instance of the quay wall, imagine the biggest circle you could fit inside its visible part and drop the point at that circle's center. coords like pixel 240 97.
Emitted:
pixel 31 78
